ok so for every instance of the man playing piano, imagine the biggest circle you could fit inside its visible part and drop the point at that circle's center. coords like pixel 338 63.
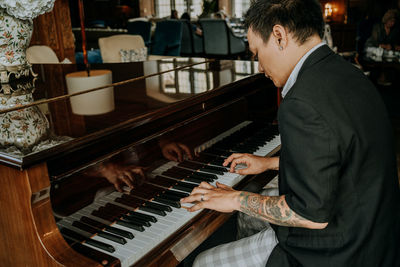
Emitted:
pixel 338 202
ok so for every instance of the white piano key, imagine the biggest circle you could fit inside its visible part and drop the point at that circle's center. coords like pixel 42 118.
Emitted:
pixel 165 226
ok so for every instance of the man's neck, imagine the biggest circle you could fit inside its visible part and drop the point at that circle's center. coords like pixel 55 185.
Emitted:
pixel 302 49
pixel 296 51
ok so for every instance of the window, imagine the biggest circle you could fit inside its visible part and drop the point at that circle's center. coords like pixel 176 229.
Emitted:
pixel 164 7
pixel 240 7
pixel 196 8
pixel 180 6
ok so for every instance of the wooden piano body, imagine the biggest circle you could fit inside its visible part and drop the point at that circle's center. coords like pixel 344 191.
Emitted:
pixel 190 105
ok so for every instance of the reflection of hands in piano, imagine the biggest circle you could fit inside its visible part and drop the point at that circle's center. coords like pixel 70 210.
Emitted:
pixel 175 151
pixel 221 198
pixel 255 164
pixel 121 175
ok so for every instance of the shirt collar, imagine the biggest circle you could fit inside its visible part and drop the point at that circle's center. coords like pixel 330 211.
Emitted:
pixel 295 72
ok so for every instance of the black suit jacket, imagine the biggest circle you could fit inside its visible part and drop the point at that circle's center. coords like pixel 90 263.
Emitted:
pixel 337 165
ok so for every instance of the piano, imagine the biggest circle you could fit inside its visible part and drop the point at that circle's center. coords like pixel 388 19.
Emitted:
pixel 58 208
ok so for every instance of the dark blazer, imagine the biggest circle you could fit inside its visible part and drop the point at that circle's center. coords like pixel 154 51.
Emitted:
pixel 337 165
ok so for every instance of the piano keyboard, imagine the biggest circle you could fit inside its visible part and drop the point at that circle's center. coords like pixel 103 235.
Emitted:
pixel 128 225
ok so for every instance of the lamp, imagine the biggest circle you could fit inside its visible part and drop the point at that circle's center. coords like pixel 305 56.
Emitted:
pixel 94 102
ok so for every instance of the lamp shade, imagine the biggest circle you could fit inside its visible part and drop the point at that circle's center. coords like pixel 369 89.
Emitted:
pixel 92 103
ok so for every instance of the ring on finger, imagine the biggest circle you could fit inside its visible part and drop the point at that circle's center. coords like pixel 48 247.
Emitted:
pixel 202 197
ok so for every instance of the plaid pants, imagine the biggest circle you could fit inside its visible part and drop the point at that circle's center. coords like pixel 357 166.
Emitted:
pixel 257 240
pixel 252 251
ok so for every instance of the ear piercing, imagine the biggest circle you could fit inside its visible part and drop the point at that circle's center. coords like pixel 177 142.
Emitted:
pixel 280 47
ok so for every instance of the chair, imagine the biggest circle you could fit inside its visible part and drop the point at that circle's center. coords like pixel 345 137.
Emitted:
pixel 198 48
pixel 167 38
pixel 110 46
pixel 219 40
pixel 191 43
pixel 187 48
pixel 41 54
pixel 142 28
pixel 93 56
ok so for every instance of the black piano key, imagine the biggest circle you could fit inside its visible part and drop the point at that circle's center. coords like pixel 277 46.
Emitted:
pixel 190 165
pixel 136 220
pixel 119 232
pixel 216 168
pixel 171 197
pixel 152 210
pixel 173 174
pixel 130 225
pixel 176 194
pixel 179 170
pixel 102 215
pixel 163 181
pixel 92 230
pixel 78 237
pixel 195 180
pixel 143 216
pixel 217 152
pixel 133 200
pixel 106 227
pixel 96 255
pixel 166 201
pixel 100 245
pixel 158 206
pixel 218 161
pixel 205 176
pixel 188 185
pixel 182 188
pixel 127 202
pixel 209 170
pixel 117 209
pixel 73 235
pixel 112 237
pixel 85 227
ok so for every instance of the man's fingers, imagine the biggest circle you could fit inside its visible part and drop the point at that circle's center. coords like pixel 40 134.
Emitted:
pixel 231 157
pixel 126 179
pixel 188 152
pixel 192 198
pixel 237 161
pixel 200 190
pixel 198 206
pixel 118 186
pixel 138 171
pixel 170 156
pixel 206 185
pixel 223 186
pixel 178 152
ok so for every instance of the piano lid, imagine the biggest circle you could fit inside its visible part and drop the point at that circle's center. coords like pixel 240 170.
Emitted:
pixel 38 132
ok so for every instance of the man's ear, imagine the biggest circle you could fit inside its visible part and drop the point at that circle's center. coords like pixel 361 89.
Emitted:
pixel 281 36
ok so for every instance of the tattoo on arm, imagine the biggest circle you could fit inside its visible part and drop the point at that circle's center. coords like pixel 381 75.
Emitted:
pixel 273 209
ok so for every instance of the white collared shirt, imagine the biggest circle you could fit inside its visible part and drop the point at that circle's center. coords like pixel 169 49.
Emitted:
pixel 293 75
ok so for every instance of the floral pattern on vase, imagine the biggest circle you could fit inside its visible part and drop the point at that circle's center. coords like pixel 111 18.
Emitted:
pixel 15 35
pixel 26 9
pixel 23 128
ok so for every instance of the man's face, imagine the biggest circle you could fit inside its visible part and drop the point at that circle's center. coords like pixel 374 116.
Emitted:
pixel 270 58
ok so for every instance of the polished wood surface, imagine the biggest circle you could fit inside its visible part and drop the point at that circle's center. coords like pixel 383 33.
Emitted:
pixel 58 178
pixel 54 29
pixel 29 234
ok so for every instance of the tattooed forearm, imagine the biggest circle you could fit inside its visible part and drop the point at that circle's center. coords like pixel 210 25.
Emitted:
pixel 273 209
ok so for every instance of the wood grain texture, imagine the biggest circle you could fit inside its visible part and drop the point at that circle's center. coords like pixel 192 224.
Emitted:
pixel 54 29
pixel 28 231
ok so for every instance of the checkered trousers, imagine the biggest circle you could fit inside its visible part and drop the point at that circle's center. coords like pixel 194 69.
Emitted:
pixel 256 240
pixel 252 251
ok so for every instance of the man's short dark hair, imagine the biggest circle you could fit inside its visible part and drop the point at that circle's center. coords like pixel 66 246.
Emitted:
pixel 302 18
